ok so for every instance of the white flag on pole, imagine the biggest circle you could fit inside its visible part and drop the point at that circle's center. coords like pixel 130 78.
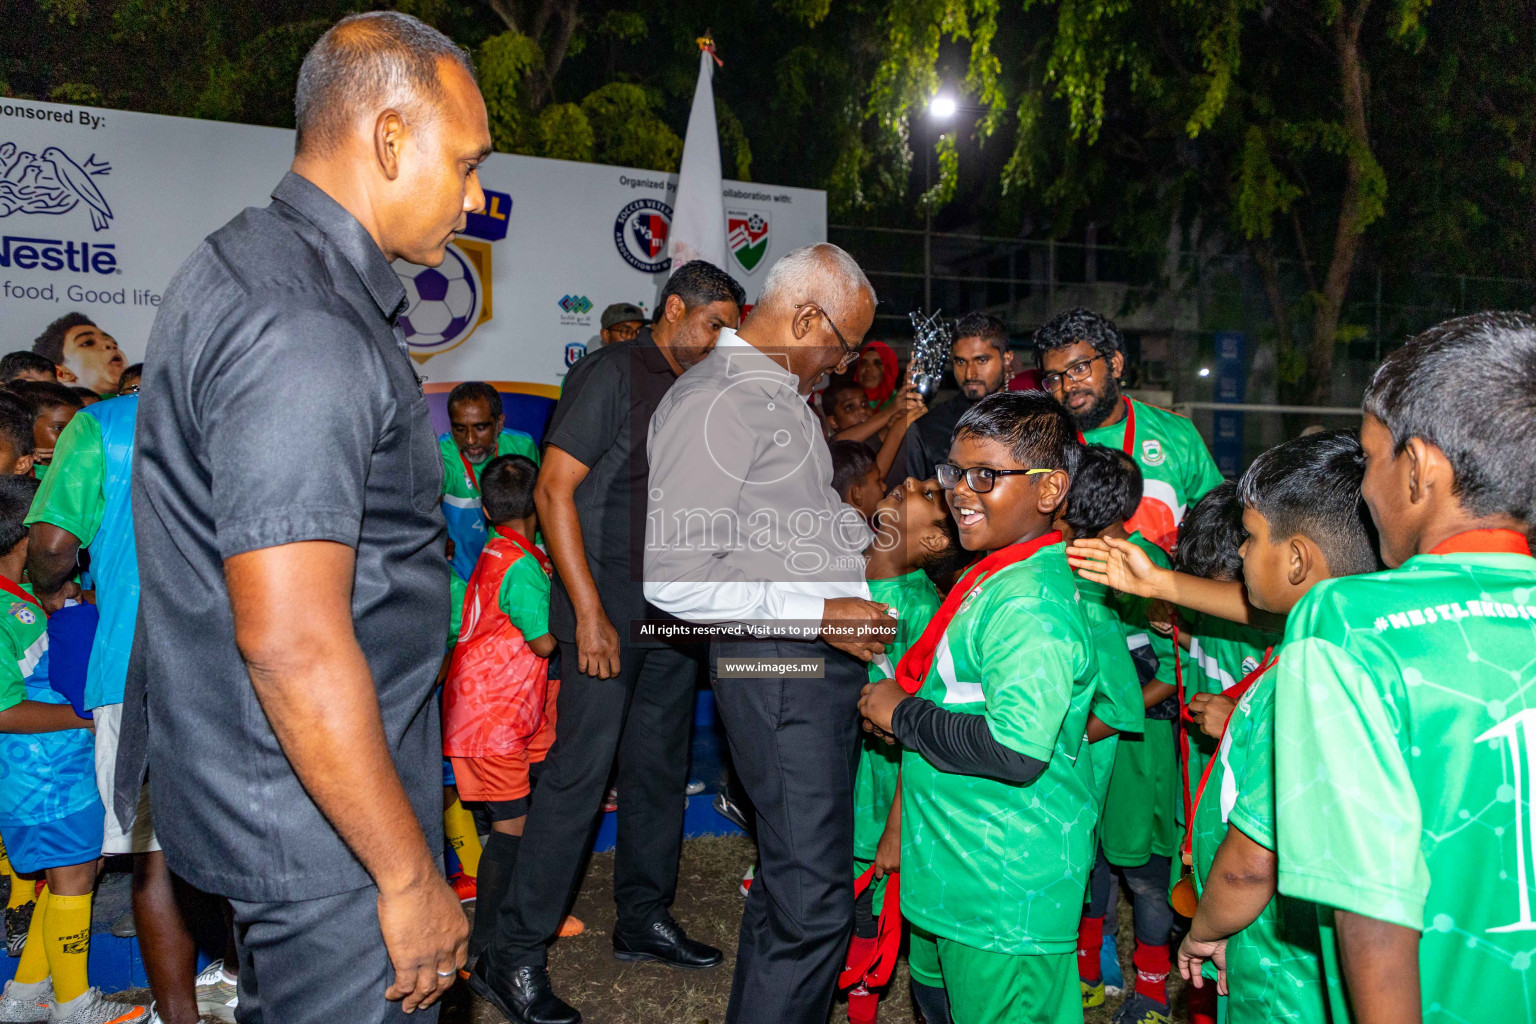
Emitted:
pixel 698 218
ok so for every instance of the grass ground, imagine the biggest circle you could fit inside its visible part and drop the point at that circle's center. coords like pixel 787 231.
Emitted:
pixel 607 991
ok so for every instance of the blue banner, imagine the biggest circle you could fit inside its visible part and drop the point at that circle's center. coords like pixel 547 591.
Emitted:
pixel 1231 384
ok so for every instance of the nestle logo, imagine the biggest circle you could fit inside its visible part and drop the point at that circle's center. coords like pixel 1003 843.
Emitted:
pixel 54 254
pixel 576 304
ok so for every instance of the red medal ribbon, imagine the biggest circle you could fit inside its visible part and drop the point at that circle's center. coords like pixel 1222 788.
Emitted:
pixel 14 589
pixel 527 547
pixel 875 969
pixel 1508 542
pixel 469 471
pixel 914 665
pixel 1130 429
pixel 1235 691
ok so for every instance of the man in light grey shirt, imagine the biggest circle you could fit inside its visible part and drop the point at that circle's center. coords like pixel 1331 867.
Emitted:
pixel 743 527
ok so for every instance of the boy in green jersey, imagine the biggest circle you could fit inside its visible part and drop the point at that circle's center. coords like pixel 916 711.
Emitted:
pixel 1304 522
pixel 991 706
pixel 1105 491
pixel 1406 716
pixel 915 540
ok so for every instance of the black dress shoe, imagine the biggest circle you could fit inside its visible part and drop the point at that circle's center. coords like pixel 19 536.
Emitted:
pixel 665 943
pixel 523 996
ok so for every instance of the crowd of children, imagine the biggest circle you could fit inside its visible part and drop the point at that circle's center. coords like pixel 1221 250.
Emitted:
pixel 1303 746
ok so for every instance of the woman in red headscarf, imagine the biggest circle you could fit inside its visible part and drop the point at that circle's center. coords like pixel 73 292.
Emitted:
pixel 876 372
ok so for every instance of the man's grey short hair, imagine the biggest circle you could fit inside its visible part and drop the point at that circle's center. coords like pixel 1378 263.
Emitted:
pixel 366 63
pixel 821 273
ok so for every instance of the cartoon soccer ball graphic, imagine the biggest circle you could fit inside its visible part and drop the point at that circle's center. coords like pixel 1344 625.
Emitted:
pixel 444 301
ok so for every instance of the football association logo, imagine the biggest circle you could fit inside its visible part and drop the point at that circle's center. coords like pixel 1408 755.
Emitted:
pixel 640 234
pixel 746 233
pixel 446 303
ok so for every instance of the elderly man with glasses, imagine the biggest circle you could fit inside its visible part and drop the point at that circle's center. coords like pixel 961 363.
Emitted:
pixel 1081 356
pixel 744 532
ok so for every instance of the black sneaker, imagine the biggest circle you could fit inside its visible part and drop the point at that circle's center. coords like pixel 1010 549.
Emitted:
pixel 730 811
pixel 1140 1009
pixel 17 921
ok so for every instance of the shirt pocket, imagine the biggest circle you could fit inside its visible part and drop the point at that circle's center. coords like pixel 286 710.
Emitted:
pixel 426 462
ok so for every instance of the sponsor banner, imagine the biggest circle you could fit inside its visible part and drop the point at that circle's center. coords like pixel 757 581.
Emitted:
pixel 99 207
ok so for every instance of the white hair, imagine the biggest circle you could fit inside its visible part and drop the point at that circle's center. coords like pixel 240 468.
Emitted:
pixel 821 273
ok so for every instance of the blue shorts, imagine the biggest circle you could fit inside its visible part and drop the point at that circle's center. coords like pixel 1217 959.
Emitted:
pixel 55 844
pixel 448 773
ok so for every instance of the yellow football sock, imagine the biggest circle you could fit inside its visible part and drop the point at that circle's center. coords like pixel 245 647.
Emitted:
pixel 67 937
pixel 459 825
pixel 33 967
pixel 21 888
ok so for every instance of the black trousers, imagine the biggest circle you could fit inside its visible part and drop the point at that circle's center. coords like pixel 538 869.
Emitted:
pixel 794 743
pixel 319 961
pixel 642 716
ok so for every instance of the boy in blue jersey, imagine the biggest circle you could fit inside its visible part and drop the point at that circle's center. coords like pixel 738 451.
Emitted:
pixel 50 813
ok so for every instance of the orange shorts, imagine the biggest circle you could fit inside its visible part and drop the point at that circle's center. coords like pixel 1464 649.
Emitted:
pixel 501 778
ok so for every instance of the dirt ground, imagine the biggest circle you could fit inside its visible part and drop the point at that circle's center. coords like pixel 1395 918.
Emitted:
pixel 607 991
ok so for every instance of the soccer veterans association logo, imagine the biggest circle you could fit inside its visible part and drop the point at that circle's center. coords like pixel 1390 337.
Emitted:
pixel 640 234
pixel 746 233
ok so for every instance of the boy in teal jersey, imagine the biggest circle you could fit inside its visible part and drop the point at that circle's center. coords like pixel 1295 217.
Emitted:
pixel 1304 522
pixel 915 540
pixel 991 707
pixel 1105 491
pixel 1406 714
pixel 478 435
pixel 50 813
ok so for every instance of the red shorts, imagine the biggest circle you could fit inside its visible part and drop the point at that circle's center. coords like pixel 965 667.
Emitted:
pixel 499 778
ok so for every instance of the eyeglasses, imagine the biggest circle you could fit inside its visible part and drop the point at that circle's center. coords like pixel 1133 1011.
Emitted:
pixel 850 352
pixel 1080 370
pixel 980 479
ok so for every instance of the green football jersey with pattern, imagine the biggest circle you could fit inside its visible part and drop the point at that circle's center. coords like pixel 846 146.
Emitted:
pixel 993 865
pixel 1274 966
pixel 915 599
pixel 1405 725
pixel 1221 654
pixel 1133 613
pixel 1117 694
pixel 1176 467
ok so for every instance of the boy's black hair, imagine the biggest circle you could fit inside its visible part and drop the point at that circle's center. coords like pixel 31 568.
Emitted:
pixel 699 283
pixel 1310 487
pixel 850 461
pixel 130 372
pixel 986 327
pixel 1105 490
pixel 506 488
pixel 1468 387
pixel 16 494
pixel 1211 534
pixel 836 386
pixel 42 395
pixel 1075 325
pixel 50 344
pixel 942 565
pixel 1034 426
pixel 82 393
pixel 16 419
pixel 14 364
pixel 472 391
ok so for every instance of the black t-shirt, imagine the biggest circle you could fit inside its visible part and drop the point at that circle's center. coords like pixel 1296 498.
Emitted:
pixel 927 443
pixel 602 421
pixel 280 405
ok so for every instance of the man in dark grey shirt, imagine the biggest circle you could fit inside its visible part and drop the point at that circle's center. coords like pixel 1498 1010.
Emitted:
pixel 294 580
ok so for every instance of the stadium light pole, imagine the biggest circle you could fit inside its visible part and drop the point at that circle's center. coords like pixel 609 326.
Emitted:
pixel 940 109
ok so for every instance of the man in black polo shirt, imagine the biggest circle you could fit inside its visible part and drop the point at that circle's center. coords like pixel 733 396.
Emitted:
pixel 619 697
pixel 982 364
pixel 292 611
